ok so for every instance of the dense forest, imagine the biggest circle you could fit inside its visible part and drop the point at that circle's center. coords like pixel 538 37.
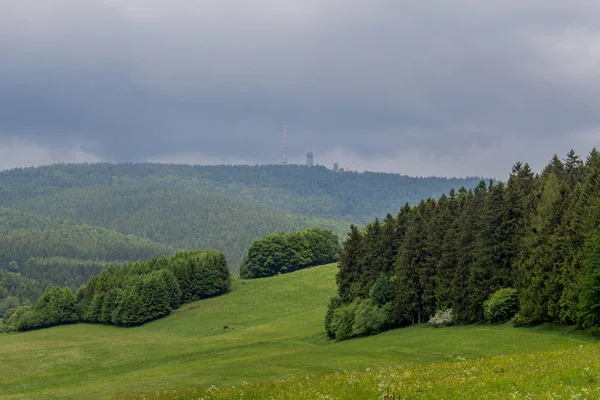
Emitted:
pixel 24 235
pixel 531 245
pixel 61 224
pixel 24 284
pixel 288 252
pixel 128 295
pixel 316 192
pixel 175 217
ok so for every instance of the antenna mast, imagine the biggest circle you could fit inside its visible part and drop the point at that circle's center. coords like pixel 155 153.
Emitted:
pixel 285 160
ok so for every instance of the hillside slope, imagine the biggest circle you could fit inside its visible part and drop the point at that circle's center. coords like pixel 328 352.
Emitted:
pixel 315 192
pixel 39 251
pixel 176 217
pixel 267 328
pixel 24 235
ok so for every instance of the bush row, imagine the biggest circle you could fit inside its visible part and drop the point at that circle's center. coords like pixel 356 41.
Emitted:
pixel 287 252
pixel 129 295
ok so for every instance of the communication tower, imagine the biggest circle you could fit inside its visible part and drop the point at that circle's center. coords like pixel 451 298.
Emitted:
pixel 285 159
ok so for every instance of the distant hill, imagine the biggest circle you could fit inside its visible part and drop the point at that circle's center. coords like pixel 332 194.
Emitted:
pixel 173 216
pixel 24 235
pixel 63 223
pixel 315 192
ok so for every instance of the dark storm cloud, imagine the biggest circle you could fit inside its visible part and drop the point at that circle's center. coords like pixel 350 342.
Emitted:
pixel 381 84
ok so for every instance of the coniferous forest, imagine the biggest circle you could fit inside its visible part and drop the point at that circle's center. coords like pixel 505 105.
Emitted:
pixel 451 260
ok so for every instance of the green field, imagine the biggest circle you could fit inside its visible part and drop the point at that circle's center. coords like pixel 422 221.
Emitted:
pixel 274 331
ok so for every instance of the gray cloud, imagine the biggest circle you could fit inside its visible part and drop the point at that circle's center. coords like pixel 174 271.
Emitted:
pixel 413 87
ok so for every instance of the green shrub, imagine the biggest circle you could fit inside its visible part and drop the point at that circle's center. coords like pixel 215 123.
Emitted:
pixel 334 304
pixel 14 319
pixel 343 321
pixel 359 318
pixel 501 306
pixel 56 306
pixel 369 319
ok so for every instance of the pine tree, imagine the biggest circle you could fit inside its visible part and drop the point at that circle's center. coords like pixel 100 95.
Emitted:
pixel 408 306
pixel 372 262
pixel 467 305
pixel 347 276
pixel 580 223
pixel 448 261
pixel 541 271
pixel 589 305
pixel 388 246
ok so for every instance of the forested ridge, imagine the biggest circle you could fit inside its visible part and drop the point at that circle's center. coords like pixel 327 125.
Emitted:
pixel 316 192
pixel 25 235
pixel 537 235
pixel 180 218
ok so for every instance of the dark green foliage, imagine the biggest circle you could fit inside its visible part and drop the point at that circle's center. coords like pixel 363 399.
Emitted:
pixel 105 213
pixel 343 321
pixel 131 294
pixel 347 277
pixel 411 270
pixel 287 252
pixel 589 300
pixel 490 269
pixel 370 318
pixel 62 271
pixel 528 246
pixel 319 192
pixel 502 305
pixel 146 290
pixel 56 306
pixel 382 291
pixel 19 289
pixel 177 217
pixel 334 304
pixel 359 318
pixel 23 236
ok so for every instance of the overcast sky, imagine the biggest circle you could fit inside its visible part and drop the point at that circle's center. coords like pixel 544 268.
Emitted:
pixel 450 88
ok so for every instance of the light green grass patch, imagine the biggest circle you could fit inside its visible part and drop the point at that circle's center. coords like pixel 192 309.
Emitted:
pixel 275 331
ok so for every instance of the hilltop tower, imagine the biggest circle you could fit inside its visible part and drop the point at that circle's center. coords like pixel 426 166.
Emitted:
pixel 309 159
pixel 285 159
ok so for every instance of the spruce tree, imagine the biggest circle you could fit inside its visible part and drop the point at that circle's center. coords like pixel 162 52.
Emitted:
pixel 408 304
pixel 347 276
pixel 448 261
pixel 372 262
pixel 588 316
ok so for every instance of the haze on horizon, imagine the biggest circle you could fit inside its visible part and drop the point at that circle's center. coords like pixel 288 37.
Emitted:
pixel 421 88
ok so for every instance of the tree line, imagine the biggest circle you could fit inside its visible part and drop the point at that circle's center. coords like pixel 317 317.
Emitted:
pixel 128 295
pixel 288 252
pixel 536 233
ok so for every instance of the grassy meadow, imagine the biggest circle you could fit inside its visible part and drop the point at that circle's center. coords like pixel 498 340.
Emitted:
pixel 266 334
